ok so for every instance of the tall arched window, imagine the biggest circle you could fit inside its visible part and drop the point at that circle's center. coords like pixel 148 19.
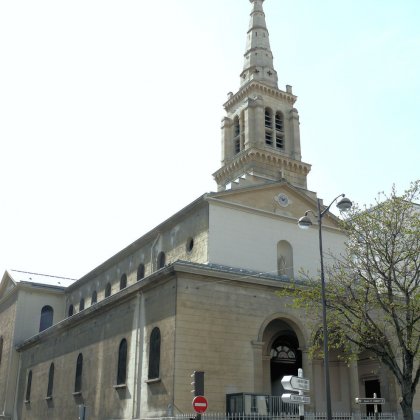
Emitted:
pixel 108 290
pixel 154 354
pixel 50 380
pixel 1 348
pixel 279 125
pixel 268 122
pixel 122 363
pixel 140 272
pixel 123 281
pixel 79 371
pixel 71 310
pixel 161 259
pixel 47 315
pixel 285 259
pixel 94 298
pixel 237 135
pixel 81 304
pixel 28 387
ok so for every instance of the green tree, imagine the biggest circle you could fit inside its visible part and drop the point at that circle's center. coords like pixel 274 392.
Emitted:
pixel 373 291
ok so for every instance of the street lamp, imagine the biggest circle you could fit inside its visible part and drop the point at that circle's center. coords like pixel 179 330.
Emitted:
pixel 304 223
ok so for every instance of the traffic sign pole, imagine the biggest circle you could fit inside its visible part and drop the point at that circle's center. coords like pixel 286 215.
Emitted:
pixel 301 406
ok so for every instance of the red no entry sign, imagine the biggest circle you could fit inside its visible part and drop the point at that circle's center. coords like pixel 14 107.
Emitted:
pixel 199 404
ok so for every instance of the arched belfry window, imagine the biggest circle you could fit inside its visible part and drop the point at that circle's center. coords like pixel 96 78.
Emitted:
pixel 268 122
pixel 285 259
pixel 28 387
pixel 122 363
pixel 123 281
pixel 50 381
pixel 140 272
pixel 154 354
pixel 161 260
pixel 237 135
pixel 279 126
pixel 78 376
pixel 47 315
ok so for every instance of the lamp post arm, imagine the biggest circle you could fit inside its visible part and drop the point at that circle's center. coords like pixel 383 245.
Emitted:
pixel 321 213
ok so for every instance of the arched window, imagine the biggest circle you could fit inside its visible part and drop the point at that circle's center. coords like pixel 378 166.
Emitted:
pixel 1 347
pixel 285 259
pixel 268 122
pixel 108 290
pixel 140 272
pixel 79 371
pixel 279 130
pixel 122 363
pixel 47 315
pixel 81 304
pixel 28 387
pixel 71 310
pixel 154 354
pixel 50 380
pixel 94 298
pixel 123 281
pixel 161 259
pixel 237 135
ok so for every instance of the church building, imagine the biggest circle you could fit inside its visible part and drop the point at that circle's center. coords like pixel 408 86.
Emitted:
pixel 196 293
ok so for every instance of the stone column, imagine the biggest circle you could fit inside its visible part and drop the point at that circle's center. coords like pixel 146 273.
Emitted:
pixel 257 347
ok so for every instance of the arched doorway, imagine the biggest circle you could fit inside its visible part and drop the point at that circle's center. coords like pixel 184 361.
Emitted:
pixel 285 359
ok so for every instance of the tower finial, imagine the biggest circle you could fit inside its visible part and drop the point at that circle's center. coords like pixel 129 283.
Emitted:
pixel 258 64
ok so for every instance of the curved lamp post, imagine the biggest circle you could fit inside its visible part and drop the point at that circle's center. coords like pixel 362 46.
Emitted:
pixel 304 223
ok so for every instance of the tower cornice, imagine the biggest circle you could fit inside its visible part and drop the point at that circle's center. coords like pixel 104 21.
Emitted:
pixel 258 87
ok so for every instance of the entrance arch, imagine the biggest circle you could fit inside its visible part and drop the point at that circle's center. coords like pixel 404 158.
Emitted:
pixel 282 352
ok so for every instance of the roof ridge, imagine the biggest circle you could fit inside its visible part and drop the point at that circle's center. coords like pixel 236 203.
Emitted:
pixel 45 275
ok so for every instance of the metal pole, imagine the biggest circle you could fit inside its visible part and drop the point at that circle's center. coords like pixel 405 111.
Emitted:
pixel 324 319
pixel 301 406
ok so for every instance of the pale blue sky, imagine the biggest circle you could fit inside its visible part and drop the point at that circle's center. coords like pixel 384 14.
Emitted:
pixel 110 111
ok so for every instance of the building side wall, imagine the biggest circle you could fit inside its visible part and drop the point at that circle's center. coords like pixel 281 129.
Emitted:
pixel 97 336
pixel 8 362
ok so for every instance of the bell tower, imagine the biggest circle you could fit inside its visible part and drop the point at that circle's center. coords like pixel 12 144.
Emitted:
pixel 260 132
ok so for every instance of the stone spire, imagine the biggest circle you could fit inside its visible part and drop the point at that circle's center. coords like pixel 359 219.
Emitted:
pixel 258 64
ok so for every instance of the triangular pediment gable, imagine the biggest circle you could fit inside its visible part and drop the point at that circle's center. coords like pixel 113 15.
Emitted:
pixel 280 198
pixel 7 284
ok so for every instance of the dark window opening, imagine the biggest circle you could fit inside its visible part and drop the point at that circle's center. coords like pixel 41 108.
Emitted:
pixel 47 315
pixel 279 121
pixel 71 310
pixel 123 281
pixel 50 380
pixel 161 260
pixel 268 138
pixel 81 305
pixel 154 354
pixel 28 387
pixel 268 118
pixel 108 290
pixel 122 363
pixel 279 141
pixel 94 298
pixel 78 377
pixel 190 244
pixel 140 272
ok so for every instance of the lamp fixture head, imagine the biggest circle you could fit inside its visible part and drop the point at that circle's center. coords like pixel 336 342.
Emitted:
pixel 304 222
pixel 344 204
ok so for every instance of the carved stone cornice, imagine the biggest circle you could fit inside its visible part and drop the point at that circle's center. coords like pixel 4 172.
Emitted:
pixel 258 87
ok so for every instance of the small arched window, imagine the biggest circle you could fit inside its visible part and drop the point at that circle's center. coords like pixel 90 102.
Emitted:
pixel 154 354
pixel 81 304
pixel 79 371
pixel 71 310
pixel 1 348
pixel 47 315
pixel 108 290
pixel 28 387
pixel 94 298
pixel 123 281
pixel 161 259
pixel 122 363
pixel 140 272
pixel 50 380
